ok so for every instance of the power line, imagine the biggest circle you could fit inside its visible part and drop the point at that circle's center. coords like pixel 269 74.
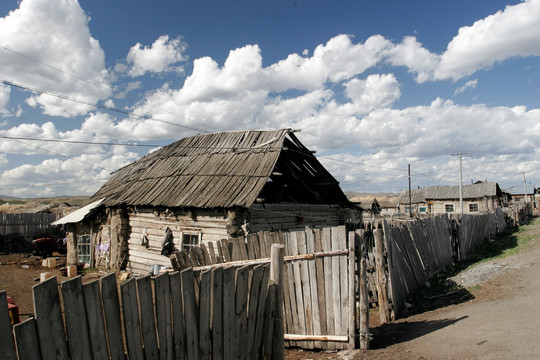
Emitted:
pixel 326 157
pixel 78 142
pixel 54 68
pixel 99 106
pixel 86 81
pixel 64 156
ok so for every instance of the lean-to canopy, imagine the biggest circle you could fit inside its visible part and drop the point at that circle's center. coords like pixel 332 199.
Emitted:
pixel 224 170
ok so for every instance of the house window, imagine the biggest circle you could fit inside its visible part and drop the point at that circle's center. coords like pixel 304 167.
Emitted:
pixel 190 239
pixel 84 248
pixel 473 207
pixel 449 208
pixel 422 209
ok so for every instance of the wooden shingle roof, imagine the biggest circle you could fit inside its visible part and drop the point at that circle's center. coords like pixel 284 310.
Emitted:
pixel 209 171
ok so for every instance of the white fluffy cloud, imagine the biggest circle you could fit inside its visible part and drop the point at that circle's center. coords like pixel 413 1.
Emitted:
pixel 411 54
pixel 343 97
pixel 55 33
pixel 512 32
pixel 160 57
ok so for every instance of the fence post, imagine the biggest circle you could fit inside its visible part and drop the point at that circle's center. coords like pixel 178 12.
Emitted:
pixel 352 294
pixel 277 255
pixel 382 281
pixel 364 298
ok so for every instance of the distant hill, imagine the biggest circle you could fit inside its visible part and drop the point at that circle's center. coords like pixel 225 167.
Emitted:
pixel 60 205
pixel 356 194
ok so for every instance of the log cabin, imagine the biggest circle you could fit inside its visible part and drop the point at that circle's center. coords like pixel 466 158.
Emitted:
pixel 202 189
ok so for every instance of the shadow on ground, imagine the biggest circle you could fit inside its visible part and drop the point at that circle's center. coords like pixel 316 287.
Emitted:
pixel 441 291
pixel 395 333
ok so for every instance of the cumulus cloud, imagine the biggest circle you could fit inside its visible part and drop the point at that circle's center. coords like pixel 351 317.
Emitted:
pixel 415 57
pixel 55 33
pixel 161 57
pixel 342 95
pixel 511 32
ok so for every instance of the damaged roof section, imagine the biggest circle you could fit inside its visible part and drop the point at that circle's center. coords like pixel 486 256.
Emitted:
pixel 225 170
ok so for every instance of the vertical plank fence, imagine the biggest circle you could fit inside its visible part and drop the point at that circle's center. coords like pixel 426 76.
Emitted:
pixel 180 315
pixel 320 278
pixel 415 250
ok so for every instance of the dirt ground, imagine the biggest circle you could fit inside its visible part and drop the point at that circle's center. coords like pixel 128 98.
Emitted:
pixel 500 321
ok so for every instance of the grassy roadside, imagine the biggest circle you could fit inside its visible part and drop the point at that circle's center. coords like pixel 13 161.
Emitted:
pixel 442 290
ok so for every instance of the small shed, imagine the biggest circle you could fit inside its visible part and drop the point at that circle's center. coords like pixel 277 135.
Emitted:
pixel 202 189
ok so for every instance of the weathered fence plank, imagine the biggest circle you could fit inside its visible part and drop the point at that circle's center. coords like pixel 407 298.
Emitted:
pixel 217 314
pixel 229 308
pixel 96 324
pixel 191 314
pixel 179 337
pixel 328 285
pixel 50 326
pixel 76 324
pixel 241 311
pixel 204 314
pixel 7 346
pixel 111 310
pixel 148 323
pixel 27 341
pixel 254 291
pixel 162 295
pixel 131 320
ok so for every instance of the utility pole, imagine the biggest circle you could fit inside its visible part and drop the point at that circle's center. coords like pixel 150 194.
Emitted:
pixel 460 155
pixel 410 195
pixel 524 187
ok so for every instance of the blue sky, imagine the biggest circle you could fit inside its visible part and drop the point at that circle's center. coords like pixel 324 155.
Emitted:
pixel 373 86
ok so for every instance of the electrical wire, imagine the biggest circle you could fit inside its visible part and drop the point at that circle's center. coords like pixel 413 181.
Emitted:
pixel 54 68
pixel 82 79
pixel 64 156
pixel 79 142
pixel 99 106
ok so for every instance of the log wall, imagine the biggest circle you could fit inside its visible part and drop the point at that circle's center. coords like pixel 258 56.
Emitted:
pixel 272 217
pixel 211 225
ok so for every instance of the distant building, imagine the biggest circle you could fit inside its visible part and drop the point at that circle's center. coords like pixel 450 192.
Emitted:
pixel 481 197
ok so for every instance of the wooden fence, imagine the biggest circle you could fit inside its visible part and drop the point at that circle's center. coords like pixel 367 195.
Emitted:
pixel 221 313
pixel 16 230
pixel 418 249
pixel 321 281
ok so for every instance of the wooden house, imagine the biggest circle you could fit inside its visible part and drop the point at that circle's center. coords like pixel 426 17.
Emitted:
pixel 481 197
pixel 202 189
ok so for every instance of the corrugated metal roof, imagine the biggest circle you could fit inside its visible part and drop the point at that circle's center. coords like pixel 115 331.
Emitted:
pixel 473 191
pixel 208 171
pixel 79 214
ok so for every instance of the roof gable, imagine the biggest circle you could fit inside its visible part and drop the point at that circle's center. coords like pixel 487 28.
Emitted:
pixel 208 171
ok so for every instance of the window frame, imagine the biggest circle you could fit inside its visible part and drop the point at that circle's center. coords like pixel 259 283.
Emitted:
pixel 447 207
pixel 191 233
pixel 473 205
pixel 82 256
